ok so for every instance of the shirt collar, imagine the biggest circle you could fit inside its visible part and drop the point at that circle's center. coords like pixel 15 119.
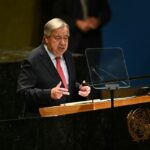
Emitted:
pixel 50 54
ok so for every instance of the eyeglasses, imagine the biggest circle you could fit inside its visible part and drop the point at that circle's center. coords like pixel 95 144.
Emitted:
pixel 60 38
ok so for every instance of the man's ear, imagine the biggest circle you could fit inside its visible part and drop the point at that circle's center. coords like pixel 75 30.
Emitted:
pixel 45 39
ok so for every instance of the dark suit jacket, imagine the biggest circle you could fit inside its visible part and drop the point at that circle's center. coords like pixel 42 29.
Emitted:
pixel 38 76
pixel 71 10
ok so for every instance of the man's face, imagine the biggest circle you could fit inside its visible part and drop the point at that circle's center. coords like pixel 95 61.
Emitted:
pixel 57 42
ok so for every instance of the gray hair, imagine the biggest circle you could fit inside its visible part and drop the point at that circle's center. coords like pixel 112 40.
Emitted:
pixel 54 24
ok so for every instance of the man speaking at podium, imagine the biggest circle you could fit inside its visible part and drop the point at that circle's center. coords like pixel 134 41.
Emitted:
pixel 47 76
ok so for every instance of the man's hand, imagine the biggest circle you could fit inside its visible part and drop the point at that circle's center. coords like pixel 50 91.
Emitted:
pixel 84 90
pixel 83 25
pixel 93 22
pixel 88 24
pixel 57 92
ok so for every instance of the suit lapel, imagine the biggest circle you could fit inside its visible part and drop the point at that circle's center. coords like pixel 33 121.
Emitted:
pixel 47 62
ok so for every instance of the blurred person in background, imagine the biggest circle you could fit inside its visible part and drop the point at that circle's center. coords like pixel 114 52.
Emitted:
pixel 86 18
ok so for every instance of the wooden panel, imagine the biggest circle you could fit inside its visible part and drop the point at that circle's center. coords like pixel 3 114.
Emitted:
pixel 71 108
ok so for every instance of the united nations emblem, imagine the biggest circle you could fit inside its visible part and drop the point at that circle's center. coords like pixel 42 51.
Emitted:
pixel 139 124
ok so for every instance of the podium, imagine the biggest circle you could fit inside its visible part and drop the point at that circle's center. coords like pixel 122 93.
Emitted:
pixel 92 121
pixel 76 126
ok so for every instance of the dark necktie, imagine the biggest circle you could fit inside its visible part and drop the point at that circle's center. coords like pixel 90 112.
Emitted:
pixel 60 71
pixel 84 8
